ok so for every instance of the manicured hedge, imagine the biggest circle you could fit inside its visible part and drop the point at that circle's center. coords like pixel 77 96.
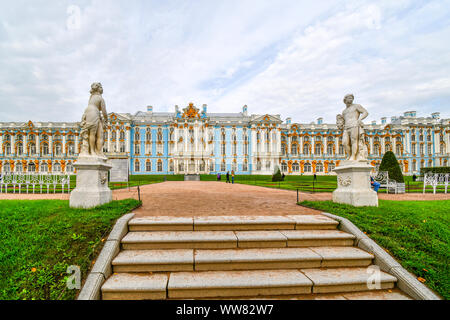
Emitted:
pixel 390 164
pixel 434 170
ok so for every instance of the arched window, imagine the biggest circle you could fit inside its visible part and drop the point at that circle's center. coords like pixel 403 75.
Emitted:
pixel 32 148
pixel 307 167
pixel 306 149
pixel 58 149
pixel 258 165
pixel 318 149
pixel 44 167
pixel 69 167
pixel 398 149
pixel 137 149
pixel 319 167
pixel 122 135
pixel 71 149
pixel 31 167
pixel 341 149
pixel 294 149
pixel 19 167
pixel 181 166
pixel 160 166
pixel 148 166
pixel 8 149
pixel 6 168
pixel 284 167
pixel 245 165
pixel 171 166
pixel 331 167
pixel 19 149
pixel 137 166
pixel 56 167
pixel 137 135
pixel 295 167
pixel 45 149
pixel 283 149
pixel 330 149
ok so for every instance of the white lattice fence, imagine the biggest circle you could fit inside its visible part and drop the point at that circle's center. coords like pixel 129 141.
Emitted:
pixel 34 182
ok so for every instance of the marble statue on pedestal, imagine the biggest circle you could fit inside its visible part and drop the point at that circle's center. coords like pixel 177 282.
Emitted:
pixel 92 170
pixel 353 175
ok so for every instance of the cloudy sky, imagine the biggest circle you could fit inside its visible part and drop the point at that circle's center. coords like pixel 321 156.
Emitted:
pixel 289 57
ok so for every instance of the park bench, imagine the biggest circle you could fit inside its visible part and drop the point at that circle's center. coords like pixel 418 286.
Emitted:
pixel 391 186
pixel 434 180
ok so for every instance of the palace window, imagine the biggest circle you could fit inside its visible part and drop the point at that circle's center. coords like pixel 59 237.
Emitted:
pixel 20 149
pixel 105 135
pixel 388 147
pixel 319 167
pixel 421 150
pixel 171 134
pixel 44 167
pixel 137 149
pixel 284 167
pixel 160 148
pixel 160 135
pixel 171 169
pixel 246 149
pixel 442 148
pixel 122 135
pixel 223 149
pixel 295 167
pixel 160 166
pixel 137 135
pixel 19 167
pixel 122 146
pixel 398 149
pixel 306 138
pixel 233 167
pixel 258 165
pixel 45 149
pixel 268 165
pixel 113 135
pixel 7 138
pixel 283 149
pixel 429 149
pixel 222 166
pixel 6 168
pixel 148 135
pixel 137 166
pixel 56 167
pixel 211 166
pixel 341 149
pixel 148 166
pixel 294 149
pixel 8 149
pixel 331 167
pixel 234 148
pixel 69 167
pixel 413 137
pixel 318 150
pixel 31 167
pixel 307 167
pixel 330 149
pixel 20 138
pixel 421 137
pixel 58 149
pixel 32 148
pixel 413 149
pixel 245 165
pixel 181 167
pixel 306 149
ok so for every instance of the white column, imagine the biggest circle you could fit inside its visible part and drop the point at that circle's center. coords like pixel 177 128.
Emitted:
pixel 64 145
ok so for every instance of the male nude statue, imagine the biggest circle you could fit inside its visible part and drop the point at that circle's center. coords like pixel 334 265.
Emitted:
pixel 93 122
pixel 353 129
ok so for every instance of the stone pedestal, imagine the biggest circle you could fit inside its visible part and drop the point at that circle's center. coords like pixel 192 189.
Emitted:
pixel 354 185
pixel 92 183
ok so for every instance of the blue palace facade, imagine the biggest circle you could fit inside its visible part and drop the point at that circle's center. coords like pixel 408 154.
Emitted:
pixel 192 140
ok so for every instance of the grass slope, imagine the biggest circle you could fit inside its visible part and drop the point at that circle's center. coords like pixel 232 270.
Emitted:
pixel 416 233
pixel 40 239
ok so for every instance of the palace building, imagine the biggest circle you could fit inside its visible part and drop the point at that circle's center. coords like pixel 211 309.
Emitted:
pixel 196 141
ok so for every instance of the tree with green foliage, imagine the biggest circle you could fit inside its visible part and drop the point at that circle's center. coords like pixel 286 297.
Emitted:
pixel 390 164
pixel 277 176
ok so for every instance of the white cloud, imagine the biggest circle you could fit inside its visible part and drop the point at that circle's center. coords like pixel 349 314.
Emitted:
pixel 284 57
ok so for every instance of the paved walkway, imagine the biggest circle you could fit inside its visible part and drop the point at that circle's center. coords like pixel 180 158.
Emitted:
pixel 177 198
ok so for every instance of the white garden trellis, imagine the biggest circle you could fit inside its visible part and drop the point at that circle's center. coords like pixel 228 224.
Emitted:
pixel 34 181
pixel 436 179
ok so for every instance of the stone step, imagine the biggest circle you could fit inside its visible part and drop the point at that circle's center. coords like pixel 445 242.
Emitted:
pixel 179 240
pixel 229 239
pixel 239 259
pixel 280 258
pixel 316 238
pixel 327 280
pixel 232 223
pixel 129 286
pixel 161 223
pixel 154 260
pixel 243 223
pixel 216 284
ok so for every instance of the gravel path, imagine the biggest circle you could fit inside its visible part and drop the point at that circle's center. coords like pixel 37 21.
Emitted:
pixel 191 198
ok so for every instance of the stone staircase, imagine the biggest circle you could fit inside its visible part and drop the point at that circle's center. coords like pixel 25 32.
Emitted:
pixel 282 257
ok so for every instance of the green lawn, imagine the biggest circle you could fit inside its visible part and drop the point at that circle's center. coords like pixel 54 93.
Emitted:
pixel 416 233
pixel 40 239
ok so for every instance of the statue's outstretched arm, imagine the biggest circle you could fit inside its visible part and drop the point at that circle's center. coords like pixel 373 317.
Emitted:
pixel 105 115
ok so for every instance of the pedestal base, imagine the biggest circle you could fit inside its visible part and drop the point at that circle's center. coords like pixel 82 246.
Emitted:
pixel 92 183
pixel 354 185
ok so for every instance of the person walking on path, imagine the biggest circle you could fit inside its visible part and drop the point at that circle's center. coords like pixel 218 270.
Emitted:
pixel 232 177
pixel 228 176
pixel 218 177
pixel 315 177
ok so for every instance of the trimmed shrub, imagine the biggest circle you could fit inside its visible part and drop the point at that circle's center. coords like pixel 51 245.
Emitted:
pixel 390 164
pixel 277 176
pixel 434 170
